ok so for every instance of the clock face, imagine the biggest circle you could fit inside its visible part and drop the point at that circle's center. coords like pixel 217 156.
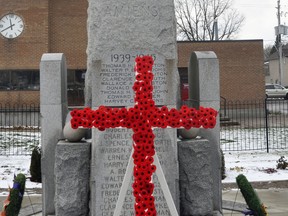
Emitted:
pixel 11 25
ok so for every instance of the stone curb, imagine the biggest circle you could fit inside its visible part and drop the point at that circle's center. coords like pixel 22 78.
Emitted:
pixel 235 206
pixel 31 210
pixel 259 185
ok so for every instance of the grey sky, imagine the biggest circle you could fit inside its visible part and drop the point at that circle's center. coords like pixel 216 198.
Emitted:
pixel 260 19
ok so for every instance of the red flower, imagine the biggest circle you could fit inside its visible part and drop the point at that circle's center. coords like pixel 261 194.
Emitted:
pixel 141 118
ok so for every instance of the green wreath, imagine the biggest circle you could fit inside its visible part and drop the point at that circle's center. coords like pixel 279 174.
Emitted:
pixel 15 197
pixel 250 196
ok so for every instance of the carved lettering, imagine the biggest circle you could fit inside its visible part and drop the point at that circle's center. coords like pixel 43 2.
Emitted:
pixel 130 11
pixel 116 79
pixel 115 147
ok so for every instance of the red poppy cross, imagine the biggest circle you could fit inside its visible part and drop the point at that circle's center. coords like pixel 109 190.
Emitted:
pixel 142 118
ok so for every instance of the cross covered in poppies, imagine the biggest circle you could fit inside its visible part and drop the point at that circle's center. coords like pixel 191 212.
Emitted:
pixel 142 118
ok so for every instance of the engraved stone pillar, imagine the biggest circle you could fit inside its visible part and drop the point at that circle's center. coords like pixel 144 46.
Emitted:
pixel 53 108
pixel 204 90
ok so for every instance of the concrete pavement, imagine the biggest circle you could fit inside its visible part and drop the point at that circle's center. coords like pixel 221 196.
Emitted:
pixel 275 199
pixel 31 204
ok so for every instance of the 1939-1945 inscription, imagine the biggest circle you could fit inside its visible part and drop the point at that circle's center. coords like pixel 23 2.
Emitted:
pixel 117 78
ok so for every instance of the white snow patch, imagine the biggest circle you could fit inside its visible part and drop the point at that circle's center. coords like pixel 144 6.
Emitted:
pixel 253 164
pixel 13 165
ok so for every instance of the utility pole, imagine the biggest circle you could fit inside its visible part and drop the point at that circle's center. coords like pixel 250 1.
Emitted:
pixel 215 26
pixel 279 44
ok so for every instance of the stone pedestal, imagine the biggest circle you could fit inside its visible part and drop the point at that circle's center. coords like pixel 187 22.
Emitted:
pixel 72 171
pixel 195 177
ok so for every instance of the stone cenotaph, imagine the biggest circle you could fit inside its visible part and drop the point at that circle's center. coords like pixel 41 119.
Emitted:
pixel 118 32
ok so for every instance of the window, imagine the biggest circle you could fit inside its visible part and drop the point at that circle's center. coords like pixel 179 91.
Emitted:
pixel 278 87
pixel 269 86
pixel 75 79
pixel 75 87
pixel 183 73
pixel 19 80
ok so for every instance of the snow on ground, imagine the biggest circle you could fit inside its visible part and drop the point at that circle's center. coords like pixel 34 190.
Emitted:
pixel 13 165
pixel 255 165
pixel 250 163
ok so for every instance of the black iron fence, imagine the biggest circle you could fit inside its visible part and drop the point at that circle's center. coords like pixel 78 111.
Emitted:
pixel 249 125
pixel 19 129
pixel 254 125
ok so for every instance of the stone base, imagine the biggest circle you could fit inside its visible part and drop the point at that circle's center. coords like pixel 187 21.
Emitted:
pixel 217 213
pixel 72 171
pixel 195 177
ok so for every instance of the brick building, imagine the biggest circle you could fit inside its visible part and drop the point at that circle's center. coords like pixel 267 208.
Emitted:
pixel 241 66
pixel 52 26
pixel 49 26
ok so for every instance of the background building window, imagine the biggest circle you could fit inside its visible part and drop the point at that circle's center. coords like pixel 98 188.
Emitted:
pixel 19 80
pixel 75 87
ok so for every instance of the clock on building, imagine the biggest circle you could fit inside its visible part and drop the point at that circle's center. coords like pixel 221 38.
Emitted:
pixel 11 25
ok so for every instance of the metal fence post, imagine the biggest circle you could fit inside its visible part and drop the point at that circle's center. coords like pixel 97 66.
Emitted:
pixel 266 125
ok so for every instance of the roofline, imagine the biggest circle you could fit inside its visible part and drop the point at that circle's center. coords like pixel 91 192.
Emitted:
pixel 220 41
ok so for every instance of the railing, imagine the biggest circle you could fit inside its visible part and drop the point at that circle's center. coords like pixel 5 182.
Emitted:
pixel 255 125
pixel 19 129
pixel 223 106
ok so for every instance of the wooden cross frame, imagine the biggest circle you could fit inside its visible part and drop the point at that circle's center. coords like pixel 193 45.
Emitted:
pixel 142 118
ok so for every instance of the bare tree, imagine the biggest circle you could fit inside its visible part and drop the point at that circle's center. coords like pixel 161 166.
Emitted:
pixel 267 51
pixel 196 19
